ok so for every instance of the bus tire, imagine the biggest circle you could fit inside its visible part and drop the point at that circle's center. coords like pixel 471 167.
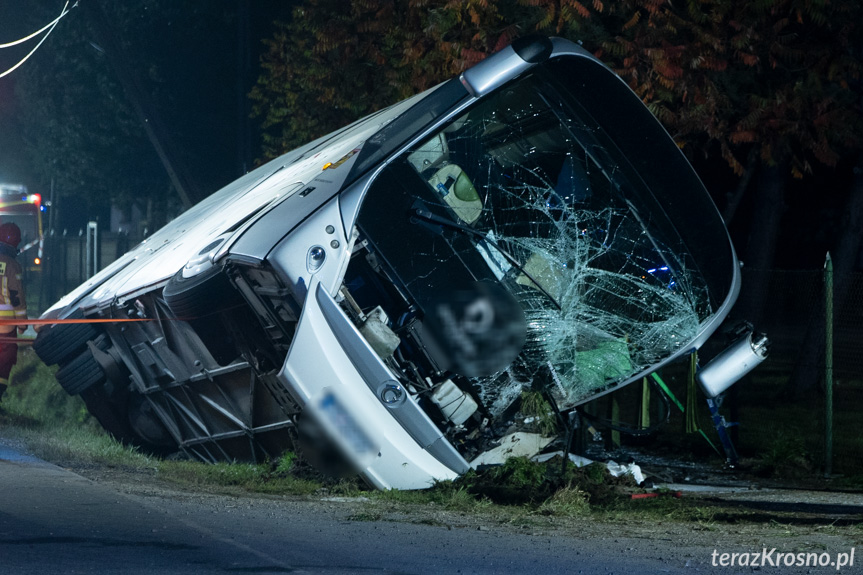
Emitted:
pixel 80 374
pixel 199 295
pixel 59 342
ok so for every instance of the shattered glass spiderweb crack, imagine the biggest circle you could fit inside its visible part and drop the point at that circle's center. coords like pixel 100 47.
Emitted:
pixel 617 315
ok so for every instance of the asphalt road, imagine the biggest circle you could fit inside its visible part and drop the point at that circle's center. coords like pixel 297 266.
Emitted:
pixel 53 521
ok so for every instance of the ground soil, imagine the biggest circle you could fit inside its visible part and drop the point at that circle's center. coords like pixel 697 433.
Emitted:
pixel 733 517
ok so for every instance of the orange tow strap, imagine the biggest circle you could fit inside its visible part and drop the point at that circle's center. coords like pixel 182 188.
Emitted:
pixel 28 321
pixel 34 321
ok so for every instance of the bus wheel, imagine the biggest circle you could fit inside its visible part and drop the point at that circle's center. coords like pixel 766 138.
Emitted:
pixel 199 295
pixel 80 374
pixel 58 343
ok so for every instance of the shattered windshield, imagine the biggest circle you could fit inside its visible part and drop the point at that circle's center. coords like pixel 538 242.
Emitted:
pixel 528 191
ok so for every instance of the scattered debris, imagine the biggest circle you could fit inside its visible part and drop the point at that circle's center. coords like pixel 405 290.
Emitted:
pixel 616 469
pixel 676 494
pixel 517 444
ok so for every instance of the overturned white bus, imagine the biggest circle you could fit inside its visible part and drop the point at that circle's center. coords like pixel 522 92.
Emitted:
pixel 384 297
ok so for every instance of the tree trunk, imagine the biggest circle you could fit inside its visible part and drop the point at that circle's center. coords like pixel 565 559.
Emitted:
pixel 144 106
pixel 734 199
pixel 760 251
pixel 808 369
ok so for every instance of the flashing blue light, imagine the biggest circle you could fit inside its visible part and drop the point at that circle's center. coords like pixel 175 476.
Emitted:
pixel 41 208
pixel 651 271
pixel 664 268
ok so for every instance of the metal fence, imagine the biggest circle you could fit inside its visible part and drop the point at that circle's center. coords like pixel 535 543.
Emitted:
pixel 796 426
pixel 782 432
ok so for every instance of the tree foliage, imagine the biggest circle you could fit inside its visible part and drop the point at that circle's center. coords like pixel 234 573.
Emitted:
pixel 778 75
pixel 329 65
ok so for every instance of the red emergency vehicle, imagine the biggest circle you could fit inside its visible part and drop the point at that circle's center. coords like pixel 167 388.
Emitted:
pixel 18 205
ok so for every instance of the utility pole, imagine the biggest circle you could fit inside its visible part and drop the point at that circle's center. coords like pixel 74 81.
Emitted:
pixel 143 104
pixel 828 366
pixel 244 144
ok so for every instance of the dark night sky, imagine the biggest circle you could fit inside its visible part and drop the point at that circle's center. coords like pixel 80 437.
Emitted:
pixel 200 78
pixel 17 19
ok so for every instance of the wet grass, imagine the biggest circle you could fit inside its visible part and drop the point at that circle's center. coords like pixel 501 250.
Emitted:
pixel 260 478
pixel 567 502
pixel 34 399
pixel 534 405
pixel 55 426
pixel 450 495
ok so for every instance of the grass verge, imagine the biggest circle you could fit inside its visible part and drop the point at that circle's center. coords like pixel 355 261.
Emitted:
pixel 56 427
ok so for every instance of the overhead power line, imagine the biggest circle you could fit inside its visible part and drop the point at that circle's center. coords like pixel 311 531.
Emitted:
pixel 49 27
pixel 40 30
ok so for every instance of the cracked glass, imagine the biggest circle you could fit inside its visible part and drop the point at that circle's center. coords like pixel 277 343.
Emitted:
pixel 527 190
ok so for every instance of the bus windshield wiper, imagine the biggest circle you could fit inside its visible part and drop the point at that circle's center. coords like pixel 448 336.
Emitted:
pixel 421 212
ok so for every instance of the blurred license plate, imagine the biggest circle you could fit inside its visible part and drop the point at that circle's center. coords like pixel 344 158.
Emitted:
pixel 337 418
